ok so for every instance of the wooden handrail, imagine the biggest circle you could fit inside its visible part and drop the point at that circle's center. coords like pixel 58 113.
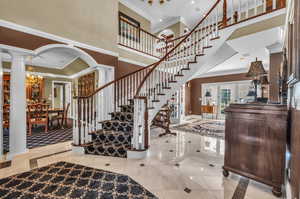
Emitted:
pixel 171 51
pixel 114 81
pixel 141 29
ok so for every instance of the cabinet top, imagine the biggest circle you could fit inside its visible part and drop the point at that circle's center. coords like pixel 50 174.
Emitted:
pixel 258 108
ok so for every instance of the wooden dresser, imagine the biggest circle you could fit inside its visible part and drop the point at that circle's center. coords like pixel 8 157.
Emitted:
pixel 255 143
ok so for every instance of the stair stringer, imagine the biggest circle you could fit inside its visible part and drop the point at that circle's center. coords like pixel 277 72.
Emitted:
pixel 194 68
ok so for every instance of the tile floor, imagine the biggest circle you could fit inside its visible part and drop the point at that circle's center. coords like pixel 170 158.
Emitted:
pixel 185 166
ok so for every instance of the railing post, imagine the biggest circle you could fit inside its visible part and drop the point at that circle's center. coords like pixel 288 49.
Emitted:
pixel 225 13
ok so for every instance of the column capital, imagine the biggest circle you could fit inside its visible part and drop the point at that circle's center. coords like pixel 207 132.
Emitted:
pixel 275 48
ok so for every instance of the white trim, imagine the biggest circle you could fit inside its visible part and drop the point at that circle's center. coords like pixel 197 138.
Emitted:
pixel 138 53
pixel 222 73
pixel 40 33
pixel 275 48
pixel 83 72
pixel 52 90
pixel 82 54
pixel 137 10
pixel 69 62
pixel 13 49
pixel 132 62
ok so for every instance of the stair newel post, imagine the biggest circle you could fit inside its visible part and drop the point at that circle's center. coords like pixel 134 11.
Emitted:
pixel 140 140
pixel 75 122
pixel 224 13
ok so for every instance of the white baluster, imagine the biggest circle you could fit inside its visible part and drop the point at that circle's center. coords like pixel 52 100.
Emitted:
pixel 274 4
pixel 82 123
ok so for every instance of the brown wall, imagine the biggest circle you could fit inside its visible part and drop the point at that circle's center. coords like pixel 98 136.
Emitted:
pixel 32 42
pixel 275 63
pixel 145 23
pixel 125 68
pixel 196 87
pixel 295 152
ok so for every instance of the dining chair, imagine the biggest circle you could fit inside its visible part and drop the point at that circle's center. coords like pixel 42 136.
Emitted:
pixel 61 118
pixel 6 116
pixel 37 115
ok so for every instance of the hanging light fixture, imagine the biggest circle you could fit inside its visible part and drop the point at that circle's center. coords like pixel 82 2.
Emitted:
pixel 150 2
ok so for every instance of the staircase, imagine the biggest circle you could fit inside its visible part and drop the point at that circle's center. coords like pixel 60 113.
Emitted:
pixel 115 119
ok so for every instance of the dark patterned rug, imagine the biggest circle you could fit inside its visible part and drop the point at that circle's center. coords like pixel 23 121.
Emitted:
pixel 42 139
pixel 211 128
pixel 67 180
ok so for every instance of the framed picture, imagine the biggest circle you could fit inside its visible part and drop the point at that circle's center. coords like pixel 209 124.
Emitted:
pixel 129 27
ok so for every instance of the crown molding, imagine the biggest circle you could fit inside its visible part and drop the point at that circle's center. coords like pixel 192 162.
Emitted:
pixel 40 33
pixel 137 10
pixel 275 48
pixel 132 62
pixel 12 49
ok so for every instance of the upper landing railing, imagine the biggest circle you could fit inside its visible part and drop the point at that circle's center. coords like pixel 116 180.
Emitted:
pixel 234 11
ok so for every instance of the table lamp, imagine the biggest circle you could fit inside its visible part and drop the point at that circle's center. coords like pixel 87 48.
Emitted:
pixel 256 70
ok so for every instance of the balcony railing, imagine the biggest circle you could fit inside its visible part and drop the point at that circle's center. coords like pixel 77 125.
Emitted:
pixel 234 11
pixel 140 40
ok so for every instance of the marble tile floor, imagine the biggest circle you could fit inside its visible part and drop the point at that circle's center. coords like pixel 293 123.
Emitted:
pixel 185 166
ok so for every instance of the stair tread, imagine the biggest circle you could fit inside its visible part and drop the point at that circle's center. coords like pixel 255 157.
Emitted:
pixel 114 121
pixel 104 131
pixel 214 38
pixel 120 112
pixel 109 144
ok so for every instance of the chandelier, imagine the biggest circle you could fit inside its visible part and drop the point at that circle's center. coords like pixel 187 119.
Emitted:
pixel 33 79
pixel 160 1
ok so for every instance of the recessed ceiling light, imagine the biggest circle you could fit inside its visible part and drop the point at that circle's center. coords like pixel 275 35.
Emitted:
pixel 192 2
pixel 160 20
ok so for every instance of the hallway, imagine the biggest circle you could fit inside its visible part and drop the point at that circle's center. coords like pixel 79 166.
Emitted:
pixel 187 166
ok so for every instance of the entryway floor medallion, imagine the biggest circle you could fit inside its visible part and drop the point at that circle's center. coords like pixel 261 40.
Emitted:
pixel 68 180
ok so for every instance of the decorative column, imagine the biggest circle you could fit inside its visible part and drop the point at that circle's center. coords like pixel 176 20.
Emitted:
pixel 1 107
pixel 17 116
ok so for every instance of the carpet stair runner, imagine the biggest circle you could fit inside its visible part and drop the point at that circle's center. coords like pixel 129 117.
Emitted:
pixel 114 139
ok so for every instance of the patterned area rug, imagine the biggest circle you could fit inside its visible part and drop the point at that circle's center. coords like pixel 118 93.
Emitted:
pixel 67 180
pixel 211 128
pixel 43 139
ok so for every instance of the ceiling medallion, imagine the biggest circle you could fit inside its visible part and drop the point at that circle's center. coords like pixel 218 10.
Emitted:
pixel 160 1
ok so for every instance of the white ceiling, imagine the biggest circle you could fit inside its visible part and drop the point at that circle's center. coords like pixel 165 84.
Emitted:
pixel 58 58
pixel 249 48
pixel 188 11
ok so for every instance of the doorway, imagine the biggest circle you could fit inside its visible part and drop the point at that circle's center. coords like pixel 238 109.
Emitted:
pixel 61 94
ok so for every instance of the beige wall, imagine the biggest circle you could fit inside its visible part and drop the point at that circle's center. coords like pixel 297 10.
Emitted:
pixel 93 22
pixel 177 28
pixel 145 23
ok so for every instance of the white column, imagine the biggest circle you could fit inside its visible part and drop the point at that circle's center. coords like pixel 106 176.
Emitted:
pixel 17 119
pixel 1 107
